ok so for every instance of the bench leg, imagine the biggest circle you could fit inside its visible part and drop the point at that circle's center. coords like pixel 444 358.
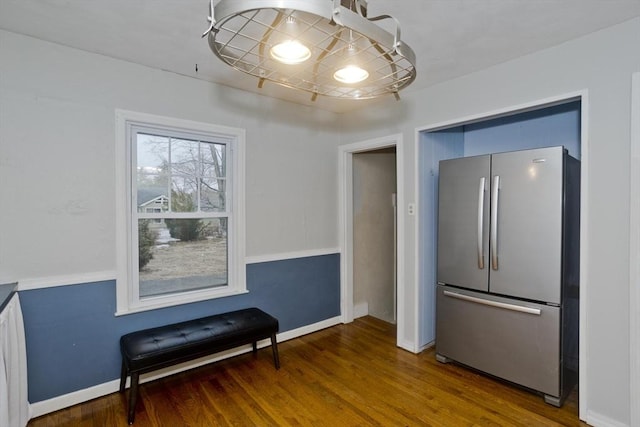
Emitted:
pixel 123 376
pixel 133 397
pixel 274 347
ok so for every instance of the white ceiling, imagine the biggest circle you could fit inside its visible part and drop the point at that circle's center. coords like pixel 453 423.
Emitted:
pixel 451 38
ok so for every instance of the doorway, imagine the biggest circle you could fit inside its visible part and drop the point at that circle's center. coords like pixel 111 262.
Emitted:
pixel 346 216
pixel 374 234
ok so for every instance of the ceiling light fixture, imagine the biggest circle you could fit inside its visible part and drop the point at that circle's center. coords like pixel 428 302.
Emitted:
pixel 324 47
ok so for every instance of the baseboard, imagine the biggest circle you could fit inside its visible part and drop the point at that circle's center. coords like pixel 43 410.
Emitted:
pixel 60 402
pixel 426 346
pixel 599 420
pixel 408 345
pixel 308 329
pixel 44 407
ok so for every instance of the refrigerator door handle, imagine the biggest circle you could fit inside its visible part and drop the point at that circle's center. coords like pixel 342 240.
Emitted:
pixel 494 221
pixel 481 223
pixel 497 304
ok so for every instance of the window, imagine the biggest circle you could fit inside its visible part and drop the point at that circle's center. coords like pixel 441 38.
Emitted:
pixel 180 211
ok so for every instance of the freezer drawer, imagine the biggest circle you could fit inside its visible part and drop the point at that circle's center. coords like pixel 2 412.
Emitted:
pixel 511 339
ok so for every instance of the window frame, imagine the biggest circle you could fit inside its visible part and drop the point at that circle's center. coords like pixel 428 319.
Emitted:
pixel 127 287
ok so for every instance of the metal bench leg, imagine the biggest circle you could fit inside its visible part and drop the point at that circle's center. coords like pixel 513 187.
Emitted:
pixel 123 376
pixel 274 347
pixel 133 397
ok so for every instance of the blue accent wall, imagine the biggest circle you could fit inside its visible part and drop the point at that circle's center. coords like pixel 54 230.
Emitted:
pixel 73 335
pixel 547 127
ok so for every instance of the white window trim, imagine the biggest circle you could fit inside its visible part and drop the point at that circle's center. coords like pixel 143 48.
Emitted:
pixel 126 302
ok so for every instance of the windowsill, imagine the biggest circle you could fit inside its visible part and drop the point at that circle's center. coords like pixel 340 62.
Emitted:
pixel 176 301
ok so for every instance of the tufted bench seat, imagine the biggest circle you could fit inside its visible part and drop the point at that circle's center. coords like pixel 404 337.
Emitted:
pixel 156 348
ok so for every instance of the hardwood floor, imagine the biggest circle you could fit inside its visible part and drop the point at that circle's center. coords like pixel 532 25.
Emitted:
pixel 347 375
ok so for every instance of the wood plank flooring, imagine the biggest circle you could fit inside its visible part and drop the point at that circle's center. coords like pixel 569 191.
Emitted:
pixel 347 375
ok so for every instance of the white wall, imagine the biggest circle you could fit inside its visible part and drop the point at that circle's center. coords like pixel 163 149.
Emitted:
pixel 57 166
pixel 601 64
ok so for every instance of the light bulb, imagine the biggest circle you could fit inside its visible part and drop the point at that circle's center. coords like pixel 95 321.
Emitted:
pixel 288 49
pixel 290 52
pixel 351 74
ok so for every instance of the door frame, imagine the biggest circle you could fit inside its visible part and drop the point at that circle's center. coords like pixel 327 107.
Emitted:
pixel 345 224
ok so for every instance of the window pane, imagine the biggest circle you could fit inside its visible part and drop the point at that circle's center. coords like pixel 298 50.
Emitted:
pixel 180 255
pixel 153 152
pixel 185 157
pixel 184 182
pixel 212 195
pixel 152 177
pixel 183 194
pixel 153 196
pixel 214 159
pixel 213 182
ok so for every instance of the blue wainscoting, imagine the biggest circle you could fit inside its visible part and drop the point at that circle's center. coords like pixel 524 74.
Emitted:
pixel 72 334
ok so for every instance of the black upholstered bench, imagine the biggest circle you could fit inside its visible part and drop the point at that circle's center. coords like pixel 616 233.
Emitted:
pixel 155 348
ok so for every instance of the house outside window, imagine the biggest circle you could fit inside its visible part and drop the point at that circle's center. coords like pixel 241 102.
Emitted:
pixel 181 221
pixel 159 203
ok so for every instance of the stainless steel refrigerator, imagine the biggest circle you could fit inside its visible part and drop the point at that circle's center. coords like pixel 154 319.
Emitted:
pixel 508 267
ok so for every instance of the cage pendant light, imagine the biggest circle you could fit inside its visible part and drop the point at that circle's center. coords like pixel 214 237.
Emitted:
pixel 323 47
